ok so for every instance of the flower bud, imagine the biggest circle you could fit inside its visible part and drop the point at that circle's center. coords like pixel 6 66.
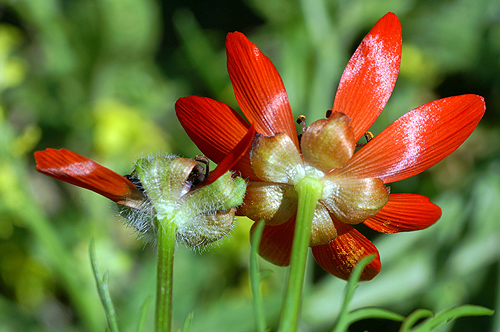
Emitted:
pixel 174 192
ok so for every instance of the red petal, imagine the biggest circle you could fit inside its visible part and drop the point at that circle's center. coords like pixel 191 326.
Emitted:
pixel 83 172
pixel 258 88
pixel 340 256
pixel 276 242
pixel 215 128
pixel 370 75
pixel 418 140
pixel 233 157
pixel 403 213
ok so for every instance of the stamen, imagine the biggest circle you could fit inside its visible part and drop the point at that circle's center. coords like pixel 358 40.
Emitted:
pixel 368 136
pixel 329 113
pixel 136 182
pixel 199 174
pixel 301 120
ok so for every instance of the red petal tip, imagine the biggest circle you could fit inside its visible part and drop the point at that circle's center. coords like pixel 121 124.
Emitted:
pixel 83 172
pixel 404 213
pixel 340 256
pixel 258 88
pixel 370 75
pixel 418 140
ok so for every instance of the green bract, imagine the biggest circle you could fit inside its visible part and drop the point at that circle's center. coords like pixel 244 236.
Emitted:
pixel 174 192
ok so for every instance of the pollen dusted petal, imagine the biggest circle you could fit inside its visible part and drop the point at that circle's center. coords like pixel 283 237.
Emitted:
pixel 340 256
pixel 215 128
pixel 258 88
pixel 276 242
pixel 83 172
pixel 276 159
pixel 370 75
pixel 322 229
pixel 328 143
pixel 272 202
pixel 353 200
pixel 417 140
pixel 403 213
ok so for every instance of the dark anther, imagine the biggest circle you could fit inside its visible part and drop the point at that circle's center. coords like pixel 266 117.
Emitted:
pixel 199 174
pixel 301 119
pixel 368 136
pixel 136 182
pixel 328 113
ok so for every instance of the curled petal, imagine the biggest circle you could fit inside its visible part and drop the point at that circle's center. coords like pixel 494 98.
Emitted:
pixel 340 256
pixel 322 228
pixel 403 213
pixel 328 143
pixel 276 159
pixel 215 128
pixel 258 88
pixel 83 172
pixel 417 140
pixel 353 200
pixel 370 75
pixel 272 202
pixel 276 242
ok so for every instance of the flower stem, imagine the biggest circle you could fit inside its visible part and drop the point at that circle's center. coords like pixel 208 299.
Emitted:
pixel 309 191
pixel 165 268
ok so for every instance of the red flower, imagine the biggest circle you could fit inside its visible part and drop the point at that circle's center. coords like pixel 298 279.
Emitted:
pixel 354 183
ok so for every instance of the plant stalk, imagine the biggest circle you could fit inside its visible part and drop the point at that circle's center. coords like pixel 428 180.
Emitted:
pixel 309 191
pixel 165 268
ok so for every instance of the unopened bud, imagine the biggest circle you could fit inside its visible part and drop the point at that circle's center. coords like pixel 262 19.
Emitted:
pixel 174 192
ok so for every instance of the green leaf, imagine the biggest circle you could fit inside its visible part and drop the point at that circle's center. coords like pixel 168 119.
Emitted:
pixel 187 323
pixel 103 289
pixel 344 317
pixel 414 317
pixel 142 317
pixel 448 315
pixel 379 313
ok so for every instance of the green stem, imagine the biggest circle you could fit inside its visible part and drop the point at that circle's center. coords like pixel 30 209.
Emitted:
pixel 165 268
pixel 309 191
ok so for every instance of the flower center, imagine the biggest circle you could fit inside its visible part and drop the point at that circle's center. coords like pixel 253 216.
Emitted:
pixel 326 145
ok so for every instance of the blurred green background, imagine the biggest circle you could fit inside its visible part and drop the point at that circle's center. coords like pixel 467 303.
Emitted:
pixel 101 78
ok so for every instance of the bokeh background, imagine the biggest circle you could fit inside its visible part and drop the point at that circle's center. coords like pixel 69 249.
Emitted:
pixel 101 78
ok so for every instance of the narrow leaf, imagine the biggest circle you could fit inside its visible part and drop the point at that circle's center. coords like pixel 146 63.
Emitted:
pixel 414 317
pixel 142 317
pixel 448 315
pixel 103 289
pixel 379 313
